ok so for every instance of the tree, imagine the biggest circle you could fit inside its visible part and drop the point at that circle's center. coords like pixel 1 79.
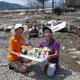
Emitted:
pixel 42 2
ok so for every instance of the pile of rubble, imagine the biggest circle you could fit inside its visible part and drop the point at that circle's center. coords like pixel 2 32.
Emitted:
pixel 75 54
pixel 75 27
pixel 6 27
pixel 55 25
pixel 75 30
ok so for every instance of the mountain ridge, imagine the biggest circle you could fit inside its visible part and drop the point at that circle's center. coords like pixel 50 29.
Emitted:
pixel 6 5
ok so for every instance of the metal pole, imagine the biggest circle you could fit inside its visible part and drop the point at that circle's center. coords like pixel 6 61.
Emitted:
pixel 52 6
pixel 43 5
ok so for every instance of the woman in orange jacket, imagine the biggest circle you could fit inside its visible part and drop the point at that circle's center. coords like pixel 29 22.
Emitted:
pixel 14 48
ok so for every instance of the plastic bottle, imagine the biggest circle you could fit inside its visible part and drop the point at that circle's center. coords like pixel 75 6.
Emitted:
pixel 46 54
pixel 42 54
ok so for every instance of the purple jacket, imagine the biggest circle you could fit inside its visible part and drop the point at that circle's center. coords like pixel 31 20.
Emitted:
pixel 53 46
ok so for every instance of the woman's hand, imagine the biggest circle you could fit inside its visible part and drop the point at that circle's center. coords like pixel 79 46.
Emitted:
pixel 54 55
pixel 49 57
pixel 18 54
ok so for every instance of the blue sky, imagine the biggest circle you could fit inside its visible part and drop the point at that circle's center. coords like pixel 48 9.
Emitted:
pixel 21 1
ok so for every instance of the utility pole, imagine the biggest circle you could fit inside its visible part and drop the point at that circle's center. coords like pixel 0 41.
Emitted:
pixel 52 6
pixel 43 5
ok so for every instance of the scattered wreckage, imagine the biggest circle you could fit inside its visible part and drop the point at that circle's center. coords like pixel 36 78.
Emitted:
pixel 6 27
pixel 74 54
pixel 55 26
pixel 75 27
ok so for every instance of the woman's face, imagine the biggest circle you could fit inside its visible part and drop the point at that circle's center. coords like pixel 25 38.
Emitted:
pixel 19 31
pixel 47 34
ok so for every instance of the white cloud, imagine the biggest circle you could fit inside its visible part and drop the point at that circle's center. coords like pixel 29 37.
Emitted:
pixel 14 1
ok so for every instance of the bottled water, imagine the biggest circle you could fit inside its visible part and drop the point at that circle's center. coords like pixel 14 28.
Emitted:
pixel 42 54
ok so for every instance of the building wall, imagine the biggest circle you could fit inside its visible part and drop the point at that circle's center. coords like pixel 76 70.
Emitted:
pixel 72 2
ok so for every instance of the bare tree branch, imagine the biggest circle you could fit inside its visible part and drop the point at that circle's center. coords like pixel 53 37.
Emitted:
pixel 42 2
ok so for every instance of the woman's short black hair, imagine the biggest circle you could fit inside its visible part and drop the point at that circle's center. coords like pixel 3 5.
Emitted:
pixel 44 28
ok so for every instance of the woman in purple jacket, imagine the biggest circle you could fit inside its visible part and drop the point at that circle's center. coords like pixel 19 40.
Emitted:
pixel 54 46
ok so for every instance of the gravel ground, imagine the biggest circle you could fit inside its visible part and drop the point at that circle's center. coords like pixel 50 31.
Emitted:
pixel 34 74
pixel 64 73
pixel 68 70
